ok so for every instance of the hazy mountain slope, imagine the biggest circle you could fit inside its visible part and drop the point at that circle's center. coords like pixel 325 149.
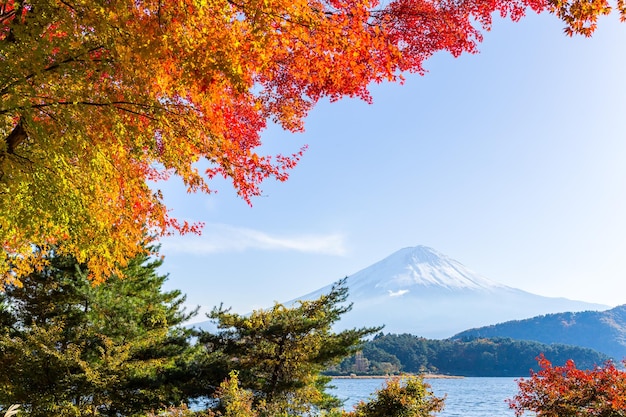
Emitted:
pixel 604 331
pixel 423 292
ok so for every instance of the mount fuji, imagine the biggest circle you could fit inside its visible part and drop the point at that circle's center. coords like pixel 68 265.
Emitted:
pixel 425 293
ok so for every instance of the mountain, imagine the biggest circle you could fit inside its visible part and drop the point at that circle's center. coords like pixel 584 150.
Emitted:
pixel 494 357
pixel 604 331
pixel 422 292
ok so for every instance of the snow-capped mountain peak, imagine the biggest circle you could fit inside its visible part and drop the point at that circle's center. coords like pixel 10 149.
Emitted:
pixel 418 266
pixel 421 291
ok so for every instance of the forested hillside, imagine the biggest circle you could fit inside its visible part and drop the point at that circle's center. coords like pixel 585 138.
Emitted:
pixel 405 353
pixel 604 331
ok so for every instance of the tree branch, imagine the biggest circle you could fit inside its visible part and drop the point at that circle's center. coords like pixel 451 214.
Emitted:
pixel 51 67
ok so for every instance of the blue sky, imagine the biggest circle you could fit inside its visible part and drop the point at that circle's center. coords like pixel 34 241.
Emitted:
pixel 511 161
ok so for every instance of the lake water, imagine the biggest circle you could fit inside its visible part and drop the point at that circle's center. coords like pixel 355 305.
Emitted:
pixel 466 397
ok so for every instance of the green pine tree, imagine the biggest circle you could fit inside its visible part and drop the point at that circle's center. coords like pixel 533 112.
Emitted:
pixel 68 348
pixel 279 353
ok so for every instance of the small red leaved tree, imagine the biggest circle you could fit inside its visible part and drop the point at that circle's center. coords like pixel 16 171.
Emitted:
pixel 565 391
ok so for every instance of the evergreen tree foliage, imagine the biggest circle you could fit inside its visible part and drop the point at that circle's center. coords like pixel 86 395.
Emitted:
pixel 478 357
pixel 280 353
pixel 68 348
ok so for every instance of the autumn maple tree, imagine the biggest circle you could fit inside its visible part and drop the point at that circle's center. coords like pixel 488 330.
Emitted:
pixel 566 391
pixel 101 97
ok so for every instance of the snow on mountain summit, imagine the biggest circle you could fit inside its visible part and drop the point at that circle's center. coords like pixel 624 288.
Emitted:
pixel 419 266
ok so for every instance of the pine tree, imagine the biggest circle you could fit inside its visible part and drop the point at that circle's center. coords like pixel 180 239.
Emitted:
pixel 280 353
pixel 70 348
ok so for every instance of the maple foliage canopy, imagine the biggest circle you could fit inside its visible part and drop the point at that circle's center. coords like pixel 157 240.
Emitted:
pixel 566 391
pixel 100 97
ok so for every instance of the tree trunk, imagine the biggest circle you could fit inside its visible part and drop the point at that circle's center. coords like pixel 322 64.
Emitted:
pixel 17 136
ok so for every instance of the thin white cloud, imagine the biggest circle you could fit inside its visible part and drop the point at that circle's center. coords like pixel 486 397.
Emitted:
pixel 220 238
pixel 398 293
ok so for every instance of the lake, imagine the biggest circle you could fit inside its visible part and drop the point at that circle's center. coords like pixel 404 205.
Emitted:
pixel 466 397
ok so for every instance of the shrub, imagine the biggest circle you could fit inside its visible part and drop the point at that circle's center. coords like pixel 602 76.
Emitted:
pixel 401 397
pixel 565 391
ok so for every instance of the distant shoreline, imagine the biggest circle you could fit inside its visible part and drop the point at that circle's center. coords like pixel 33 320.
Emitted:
pixel 425 376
